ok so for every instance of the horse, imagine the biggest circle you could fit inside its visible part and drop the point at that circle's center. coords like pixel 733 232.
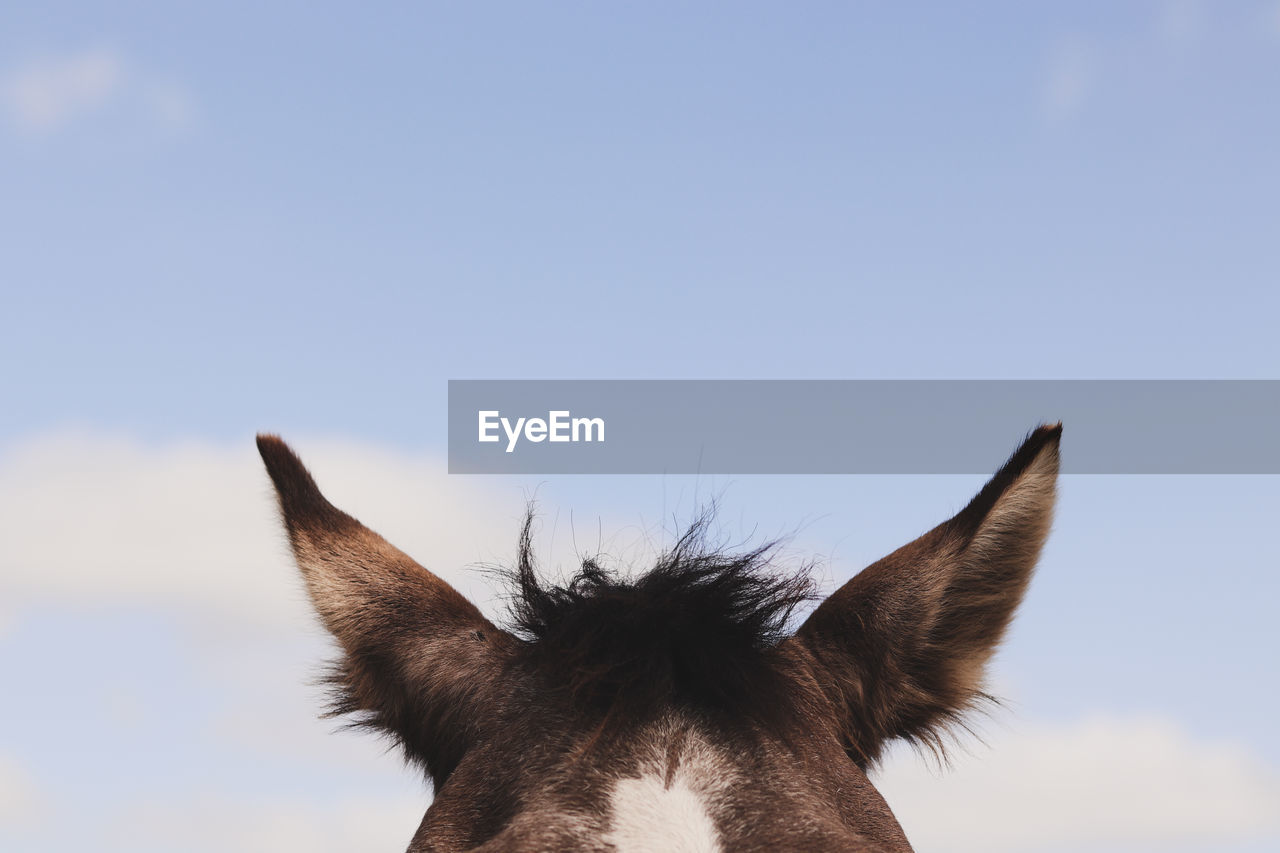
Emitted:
pixel 674 711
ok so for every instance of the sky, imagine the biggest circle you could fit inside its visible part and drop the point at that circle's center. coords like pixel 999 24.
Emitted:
pixel 221 219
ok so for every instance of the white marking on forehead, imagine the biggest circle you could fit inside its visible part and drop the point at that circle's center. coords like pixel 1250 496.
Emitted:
pixel 651 817
pixel 664 807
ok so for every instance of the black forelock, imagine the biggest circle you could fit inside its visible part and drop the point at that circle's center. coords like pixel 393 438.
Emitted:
pixel 698 630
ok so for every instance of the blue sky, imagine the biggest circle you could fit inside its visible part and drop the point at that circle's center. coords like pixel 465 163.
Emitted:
pixel 229 218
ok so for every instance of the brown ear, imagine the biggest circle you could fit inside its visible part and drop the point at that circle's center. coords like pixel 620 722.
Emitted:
pixel 419 661
pixel 901 647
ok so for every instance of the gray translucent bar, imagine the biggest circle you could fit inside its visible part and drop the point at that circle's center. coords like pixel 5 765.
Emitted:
pixel 866 426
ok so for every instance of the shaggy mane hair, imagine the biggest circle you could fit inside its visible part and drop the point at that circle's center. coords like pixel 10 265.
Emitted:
pixel 698 630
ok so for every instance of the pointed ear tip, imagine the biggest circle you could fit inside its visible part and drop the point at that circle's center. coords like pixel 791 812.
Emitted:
pixel 297 489
pixel 273 450
pixel 282 463
pixel 1043 442
pixel 1048 432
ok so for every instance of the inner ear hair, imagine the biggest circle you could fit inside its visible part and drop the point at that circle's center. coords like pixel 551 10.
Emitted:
pixel 412 665
pixel 902 647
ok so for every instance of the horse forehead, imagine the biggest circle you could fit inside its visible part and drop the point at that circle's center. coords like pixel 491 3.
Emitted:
pixel 678 786
pixel 653 813
pixel 664 800
pixel 687 789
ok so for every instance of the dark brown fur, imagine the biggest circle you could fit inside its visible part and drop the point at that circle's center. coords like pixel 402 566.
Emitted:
pixel 526 731
pixel 700 630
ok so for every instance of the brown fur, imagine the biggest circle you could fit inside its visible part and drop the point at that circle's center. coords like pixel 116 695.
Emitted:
pixel 686 671
pixel 901 647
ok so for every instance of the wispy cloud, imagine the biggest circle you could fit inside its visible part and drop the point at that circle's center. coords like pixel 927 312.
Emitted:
pixel 51 92
pixel 1106 781
pixel 54 92
pixel 170 102
pixel 1070 79
pixel 277 826
pixel 21 805
pixel 94 519
pixel 1084 65
pixel 1179 22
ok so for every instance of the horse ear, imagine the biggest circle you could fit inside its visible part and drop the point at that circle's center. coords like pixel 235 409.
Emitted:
pixel 419 661
pixel 900 649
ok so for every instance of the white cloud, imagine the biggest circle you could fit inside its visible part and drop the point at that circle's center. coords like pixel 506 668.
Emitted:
pixel 91 519
pixel 51 93
pixel 1132 783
